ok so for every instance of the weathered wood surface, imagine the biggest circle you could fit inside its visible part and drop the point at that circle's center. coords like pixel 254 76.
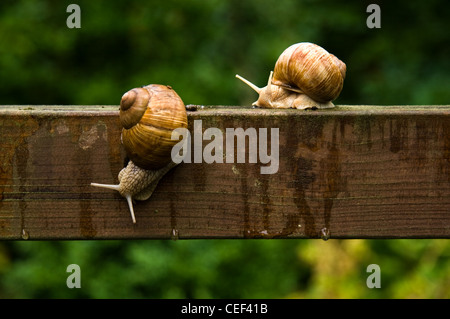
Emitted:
pixel 349 172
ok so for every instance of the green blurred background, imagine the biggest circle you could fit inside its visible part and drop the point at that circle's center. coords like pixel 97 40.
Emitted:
pixel 197 47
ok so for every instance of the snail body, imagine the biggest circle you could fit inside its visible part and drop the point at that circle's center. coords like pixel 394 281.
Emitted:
pixel 148 116
pixel 305 76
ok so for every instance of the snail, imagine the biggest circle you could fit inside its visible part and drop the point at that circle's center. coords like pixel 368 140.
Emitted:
pixel 148 115
pixel 305 76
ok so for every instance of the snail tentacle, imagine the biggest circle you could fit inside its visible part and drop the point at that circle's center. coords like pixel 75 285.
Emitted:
pixel 130 205
pixel 250 84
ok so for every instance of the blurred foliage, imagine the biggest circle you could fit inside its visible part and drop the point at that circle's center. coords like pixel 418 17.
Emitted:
pixel 197 47
pixel 226 269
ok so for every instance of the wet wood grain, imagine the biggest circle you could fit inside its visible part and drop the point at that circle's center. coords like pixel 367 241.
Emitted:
pixel 349 172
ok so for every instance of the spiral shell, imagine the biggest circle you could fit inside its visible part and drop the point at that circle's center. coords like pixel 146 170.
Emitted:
pixel 148 116
pixel 308 68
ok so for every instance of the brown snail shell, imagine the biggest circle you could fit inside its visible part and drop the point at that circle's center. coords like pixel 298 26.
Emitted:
pixel 148 116
pixel 311 69
pixel 305 76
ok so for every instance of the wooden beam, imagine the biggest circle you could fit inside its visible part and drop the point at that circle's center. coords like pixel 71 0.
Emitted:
pixel 348 172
